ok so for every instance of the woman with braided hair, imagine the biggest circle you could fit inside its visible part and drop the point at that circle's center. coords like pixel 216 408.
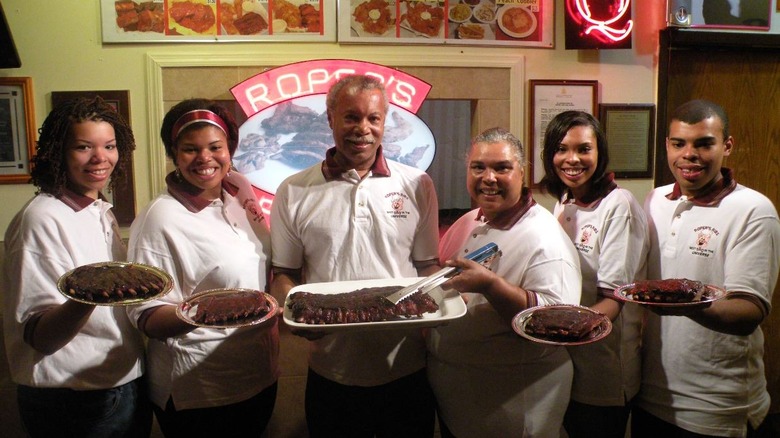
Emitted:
pixel 77 365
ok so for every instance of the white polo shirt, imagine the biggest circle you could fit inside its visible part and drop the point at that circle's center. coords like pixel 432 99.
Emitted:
pixel 488 381
pixel 699 379
pixel 222 245
pixel 47 238
pixel 349 228
pixel 611 236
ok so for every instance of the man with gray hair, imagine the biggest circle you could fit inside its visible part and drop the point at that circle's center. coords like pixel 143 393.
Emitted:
pixel 358 216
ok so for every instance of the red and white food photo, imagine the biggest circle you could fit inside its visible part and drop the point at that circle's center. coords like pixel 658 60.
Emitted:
pixel 361 305
pixel 243 17
pixel 561 324
pixel 422 19
pixel 373 18
pixel 516 21
pixel 473 20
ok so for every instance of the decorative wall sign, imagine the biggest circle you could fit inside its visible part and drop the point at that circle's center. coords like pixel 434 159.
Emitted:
pixel 126 21
pixel 630 130
pixel 123 197
pixel 464 22
pixel 287 130
pixel 598 24
pixel 17 129
pixel 548 98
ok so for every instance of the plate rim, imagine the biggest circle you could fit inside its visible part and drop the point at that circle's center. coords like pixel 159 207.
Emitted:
pixel 618 294
pixel 224 290
pixel 518 324
pixel 167 283
pixel 450 297
pixel 500 15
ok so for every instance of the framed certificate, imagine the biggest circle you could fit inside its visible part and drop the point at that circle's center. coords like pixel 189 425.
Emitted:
pixel 630 130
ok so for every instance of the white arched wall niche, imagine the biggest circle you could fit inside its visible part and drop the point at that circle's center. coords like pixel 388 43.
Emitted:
pixel 511 67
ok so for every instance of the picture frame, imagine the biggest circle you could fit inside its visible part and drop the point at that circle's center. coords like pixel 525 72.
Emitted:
pixel 630 131
pixel 225 21
pixel 547 98
pixel 747 16
pixel 17 129
pixel 123 197
pixel 480 25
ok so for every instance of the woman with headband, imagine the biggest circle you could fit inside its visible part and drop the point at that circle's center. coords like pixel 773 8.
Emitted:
pixel 206 230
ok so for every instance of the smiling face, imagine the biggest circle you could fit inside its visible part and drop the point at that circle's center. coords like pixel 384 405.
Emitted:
pixel 202 156
pixel 358 124
pixel 576 159
pixel 494 178
pixel 695 153
pixel 91 155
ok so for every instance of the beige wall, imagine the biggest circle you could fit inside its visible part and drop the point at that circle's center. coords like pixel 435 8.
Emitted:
pixel 60 46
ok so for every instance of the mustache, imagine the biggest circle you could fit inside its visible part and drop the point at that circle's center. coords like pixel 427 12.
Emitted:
pixel 365 139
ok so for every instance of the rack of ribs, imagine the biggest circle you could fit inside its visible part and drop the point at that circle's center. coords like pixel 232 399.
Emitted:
pixel 362 305
pixel 562 323
pixel 672 290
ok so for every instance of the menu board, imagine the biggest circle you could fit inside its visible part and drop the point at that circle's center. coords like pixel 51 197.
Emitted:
pixel 461 22
pixel 126 21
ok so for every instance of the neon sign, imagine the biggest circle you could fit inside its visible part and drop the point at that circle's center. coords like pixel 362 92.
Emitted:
pixel 605 24
pixel 315 77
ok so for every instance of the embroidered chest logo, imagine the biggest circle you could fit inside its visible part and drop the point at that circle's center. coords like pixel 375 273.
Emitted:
pixel 704 241
pixel 587 238
pixel 252 210
pixel 397 202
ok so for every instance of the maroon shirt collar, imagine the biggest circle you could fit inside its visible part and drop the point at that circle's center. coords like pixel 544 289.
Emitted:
pixel 592 199
pixel 714 195
pixel 508 218
pixel 331 170
pixel 189 195
pixel 76 201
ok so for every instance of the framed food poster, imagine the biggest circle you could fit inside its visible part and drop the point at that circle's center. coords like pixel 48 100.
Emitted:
pixel 548 98
pixel 127 21
pixel 17 129
pixel 460 22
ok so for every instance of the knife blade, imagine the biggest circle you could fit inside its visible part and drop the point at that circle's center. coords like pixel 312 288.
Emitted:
pixel 480 256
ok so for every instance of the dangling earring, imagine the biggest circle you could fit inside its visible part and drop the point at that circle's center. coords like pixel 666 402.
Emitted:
pixel 230 168
pixel 177 174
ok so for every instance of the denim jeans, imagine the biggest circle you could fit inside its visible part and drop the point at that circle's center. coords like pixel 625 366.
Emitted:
pixel 60 412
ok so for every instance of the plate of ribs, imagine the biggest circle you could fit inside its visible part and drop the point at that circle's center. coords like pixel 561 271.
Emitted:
pixel 114 283
pixel 362 305
pixel 228 308
pixel 671 292
pixel 561 324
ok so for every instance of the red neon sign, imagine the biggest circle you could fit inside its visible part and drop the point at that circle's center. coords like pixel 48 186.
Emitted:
pixel 606 24
pixel 315 77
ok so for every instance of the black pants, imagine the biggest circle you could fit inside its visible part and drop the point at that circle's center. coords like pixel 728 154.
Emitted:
pixel 585 421
pixel 402 408
pixel 247 418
